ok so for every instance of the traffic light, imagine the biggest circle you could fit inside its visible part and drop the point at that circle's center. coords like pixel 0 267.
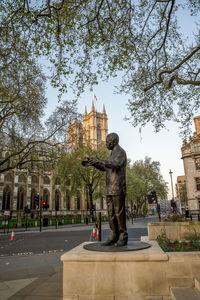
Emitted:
pixel 152 198
pixel 149 197
pixel 45 205
pixel 173 203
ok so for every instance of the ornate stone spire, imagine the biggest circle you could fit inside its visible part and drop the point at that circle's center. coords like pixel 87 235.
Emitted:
pixel 85 111
pixel 104 110
pixel 93 107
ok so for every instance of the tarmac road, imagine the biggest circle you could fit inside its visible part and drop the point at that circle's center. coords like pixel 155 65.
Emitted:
pixel 54 240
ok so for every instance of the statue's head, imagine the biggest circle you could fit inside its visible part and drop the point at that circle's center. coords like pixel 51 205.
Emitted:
pixel 112 140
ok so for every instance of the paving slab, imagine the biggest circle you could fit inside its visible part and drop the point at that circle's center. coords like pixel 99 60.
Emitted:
pixel 9 288
pixel 185 293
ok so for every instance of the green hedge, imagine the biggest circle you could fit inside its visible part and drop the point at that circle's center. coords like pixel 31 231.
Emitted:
pixel 51 221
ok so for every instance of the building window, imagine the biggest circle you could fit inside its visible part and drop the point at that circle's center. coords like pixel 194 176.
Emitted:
pixel 20 199
pixel 22 178
pixel 57 181
pixel 197 147
pixel 197 163
pixel 34 179
pixel 67 201
pixel 198 183
pixel 57 200
pixel 33 196
pixel 6 198
pixel 8 177
pixel 99 134
pixel 46 180
pixel 77 201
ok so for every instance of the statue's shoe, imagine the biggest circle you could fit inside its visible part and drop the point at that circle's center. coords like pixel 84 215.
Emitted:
pixel 108 243
pixel 121 243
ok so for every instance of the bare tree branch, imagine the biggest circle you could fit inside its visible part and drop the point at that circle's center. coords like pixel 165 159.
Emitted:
pixel 174 69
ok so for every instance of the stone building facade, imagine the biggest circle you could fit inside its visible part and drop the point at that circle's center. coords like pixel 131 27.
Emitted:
pixel 191 161
pixel 93 130
pixel 180 188
pixel 20 187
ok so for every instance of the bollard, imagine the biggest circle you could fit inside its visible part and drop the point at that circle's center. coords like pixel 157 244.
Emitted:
pixel 99 226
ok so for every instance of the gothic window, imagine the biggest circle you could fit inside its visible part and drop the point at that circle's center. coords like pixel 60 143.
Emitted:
pixel 46 180
pixel 8 177
pixel 67 202
pixel 57 199
pixel 77 202
pixel 198 183
pixel 34 179
pixel 197 163
pixel 98 133
pixel 22 178
pixel 88 133
pixel 33 195
pixel 20 198
pixel 197 147
pixel 57 181
pixel 46 196
pixel 6 198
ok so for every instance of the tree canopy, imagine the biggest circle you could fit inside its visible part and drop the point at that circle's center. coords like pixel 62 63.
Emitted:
pixel 91 40
pixel 143 177
pixel 74 174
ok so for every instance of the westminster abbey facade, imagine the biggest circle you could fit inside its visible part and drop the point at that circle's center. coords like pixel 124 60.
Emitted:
pixel 21 187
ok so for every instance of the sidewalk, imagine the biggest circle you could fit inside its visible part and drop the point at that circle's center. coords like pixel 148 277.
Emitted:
pixel 32 283
pixel 38 277
pixel 46 287
pixel 47 228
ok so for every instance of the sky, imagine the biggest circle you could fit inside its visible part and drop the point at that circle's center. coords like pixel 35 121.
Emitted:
pixel 164 146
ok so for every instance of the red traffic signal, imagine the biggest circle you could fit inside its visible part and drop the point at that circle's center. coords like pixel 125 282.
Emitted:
pixel 45 205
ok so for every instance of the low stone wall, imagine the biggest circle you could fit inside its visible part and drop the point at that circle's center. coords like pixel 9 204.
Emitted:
pixel 90 275
pixel 175 231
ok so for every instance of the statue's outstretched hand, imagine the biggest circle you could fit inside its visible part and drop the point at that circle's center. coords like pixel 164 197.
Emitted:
pixel 92 161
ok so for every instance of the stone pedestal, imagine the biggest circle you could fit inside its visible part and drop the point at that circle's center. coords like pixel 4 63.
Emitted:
pixel 89 275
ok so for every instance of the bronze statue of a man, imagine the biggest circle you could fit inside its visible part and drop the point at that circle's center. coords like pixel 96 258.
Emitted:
pixel 115 190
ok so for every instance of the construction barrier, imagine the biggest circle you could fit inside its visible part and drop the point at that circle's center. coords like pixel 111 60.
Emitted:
pixel 12 235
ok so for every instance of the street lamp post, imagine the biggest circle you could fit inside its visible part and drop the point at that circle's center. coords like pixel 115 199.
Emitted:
pixel 56 209
pixel 40 202
pixel 170 173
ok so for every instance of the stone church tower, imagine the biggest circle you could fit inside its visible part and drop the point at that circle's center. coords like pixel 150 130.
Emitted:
pixel 74 133
pixel 93 130
pixel 95 126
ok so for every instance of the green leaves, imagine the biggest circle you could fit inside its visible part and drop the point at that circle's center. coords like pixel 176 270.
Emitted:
pixel 142 178
pixel 91 40
pixel 70 167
